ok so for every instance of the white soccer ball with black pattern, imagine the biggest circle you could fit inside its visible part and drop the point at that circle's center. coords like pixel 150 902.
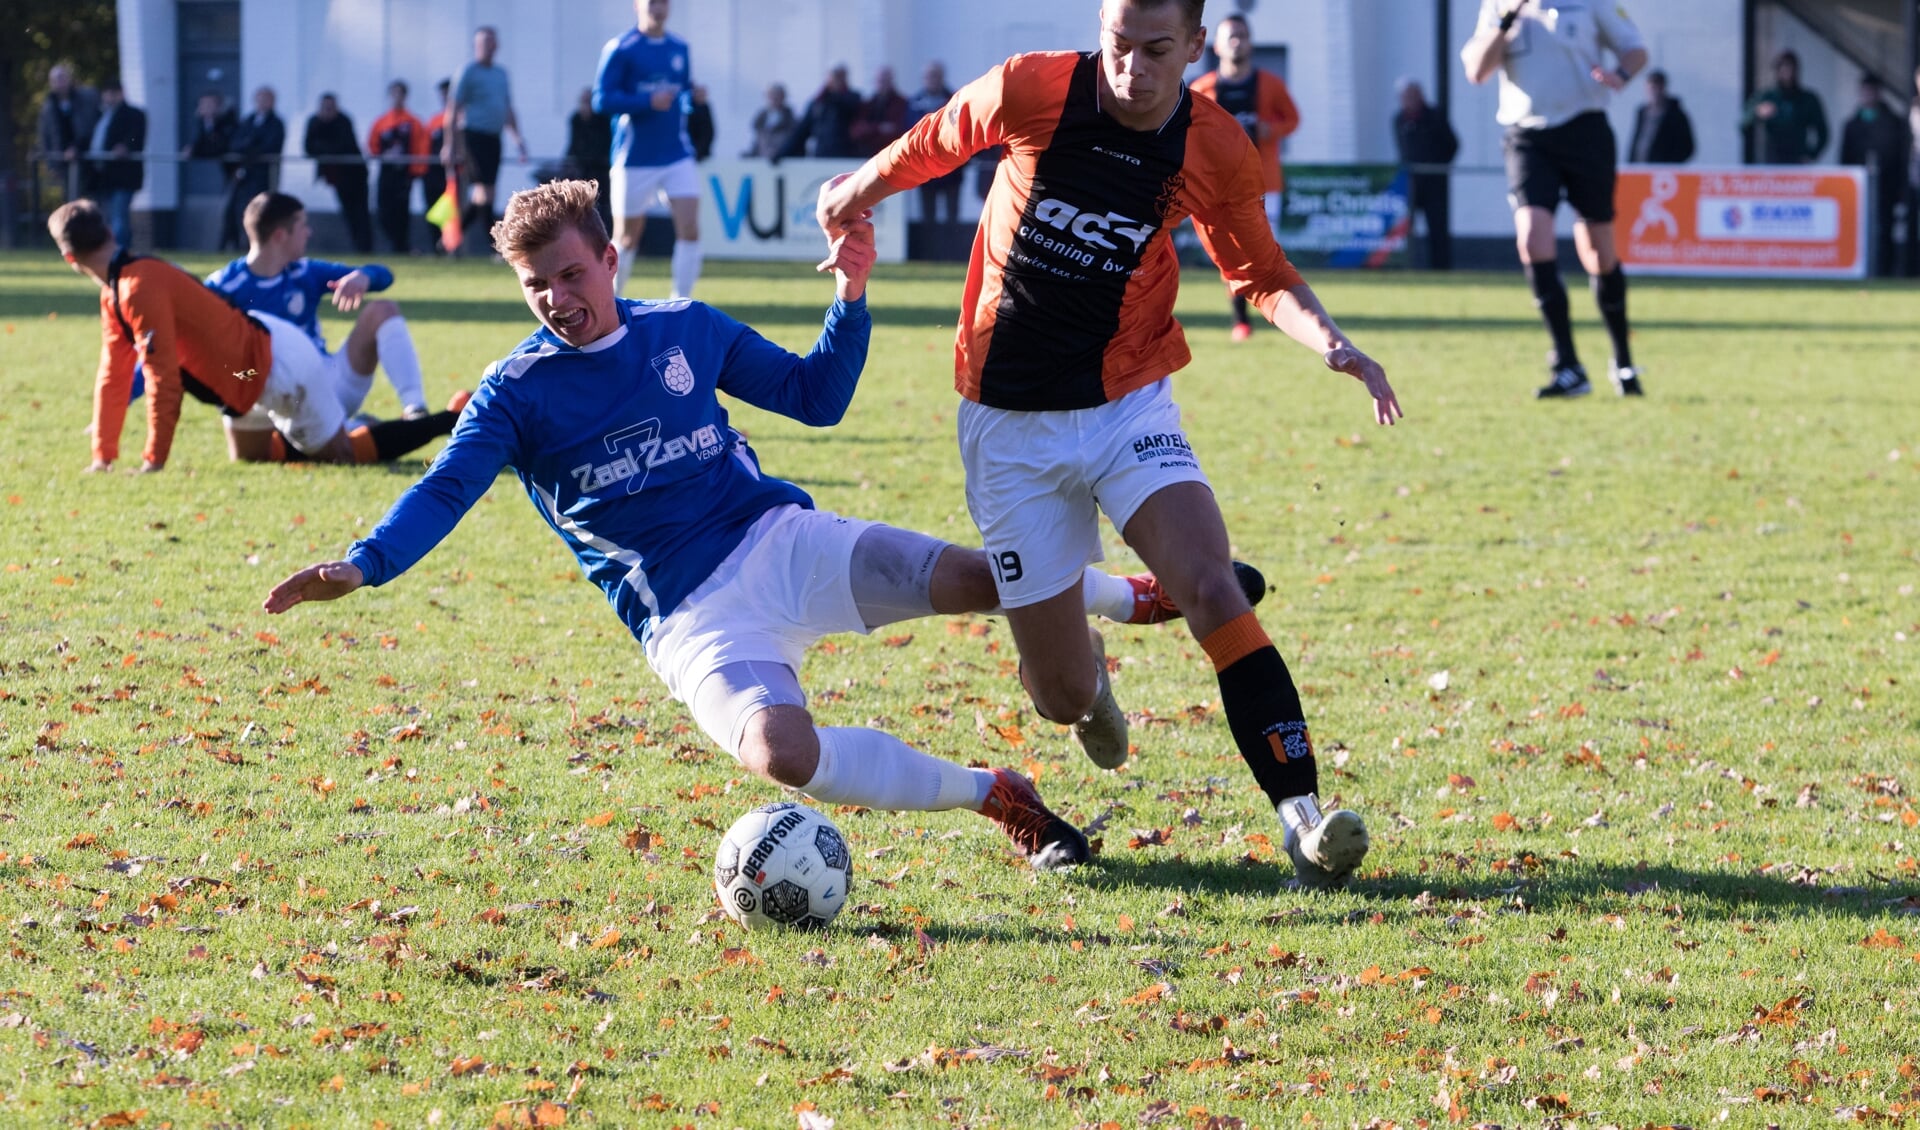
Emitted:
pixel 782 864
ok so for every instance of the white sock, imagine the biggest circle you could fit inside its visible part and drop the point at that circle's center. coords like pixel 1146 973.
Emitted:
pixel 1103 594
pixel 878 770
pixel 1297 815
pixel 686 267
pixel 627 256
pixel 1108 595
pixel 353 389
pixel 402 363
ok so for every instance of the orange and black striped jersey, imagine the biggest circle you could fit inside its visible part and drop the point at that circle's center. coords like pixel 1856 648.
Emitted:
pixel 1070 289
pixel 189 341
pixel 1260 99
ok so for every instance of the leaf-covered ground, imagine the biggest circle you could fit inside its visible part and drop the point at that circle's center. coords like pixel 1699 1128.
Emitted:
pixel 1626 691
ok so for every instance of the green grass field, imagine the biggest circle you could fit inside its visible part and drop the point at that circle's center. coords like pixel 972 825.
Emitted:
pixel 1626 691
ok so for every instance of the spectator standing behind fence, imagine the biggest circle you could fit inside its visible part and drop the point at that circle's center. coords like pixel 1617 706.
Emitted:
pixel 121 131
pixel 931 98
pixel 1425 137
pixel 336 151
pixel 1787 121
pixel 827 121
pixel 433 183
pixel 67 118
pixel 397 133
pixel 1259 101
pixel 482 114
pixel 210 133
pixel 255 149
pixel 772 124
pixel 1876 138
pixel 645 81
pixel 1554 89
pixel 1662 133
pixel 589 146
pixel 882 117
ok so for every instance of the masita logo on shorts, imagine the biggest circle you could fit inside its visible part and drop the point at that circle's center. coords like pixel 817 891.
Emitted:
pixel 674 371
pixel 1171 448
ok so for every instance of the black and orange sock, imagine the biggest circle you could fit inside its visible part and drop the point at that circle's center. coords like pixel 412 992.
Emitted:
pixel 390 439
pixel 1240 317
pixel 1263 708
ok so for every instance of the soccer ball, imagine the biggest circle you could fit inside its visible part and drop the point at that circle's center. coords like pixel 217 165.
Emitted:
pixel 782 864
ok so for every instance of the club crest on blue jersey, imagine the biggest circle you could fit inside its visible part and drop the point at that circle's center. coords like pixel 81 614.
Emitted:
pixel 674 371
pixel 296 303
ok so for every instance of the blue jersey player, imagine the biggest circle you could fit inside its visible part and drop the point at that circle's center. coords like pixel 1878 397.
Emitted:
pixel 277 278
pixel 725 574
pixel 645 82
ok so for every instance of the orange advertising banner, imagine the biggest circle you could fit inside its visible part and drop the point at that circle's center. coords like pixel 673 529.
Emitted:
pixel 1759 221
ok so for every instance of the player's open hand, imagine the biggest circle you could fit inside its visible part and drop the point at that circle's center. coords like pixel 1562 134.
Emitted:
pixel 348 290
pixel 329 580
pixel 1346 359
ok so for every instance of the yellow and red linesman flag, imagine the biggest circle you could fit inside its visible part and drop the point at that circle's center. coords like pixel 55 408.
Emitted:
pixel 445 212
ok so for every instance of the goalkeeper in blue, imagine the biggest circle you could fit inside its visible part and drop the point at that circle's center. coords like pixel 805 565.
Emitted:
pixel 726 575
pixel 276 277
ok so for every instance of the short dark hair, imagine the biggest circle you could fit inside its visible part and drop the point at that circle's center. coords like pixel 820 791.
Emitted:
pixel 1657 75
pixel 270 212
pixel 399 83
pixel 1872 81
pixel 443 85
pixel 79 227
pixel 1787 56
pixel 1235 18
pixel 112 84
pixel 1195 10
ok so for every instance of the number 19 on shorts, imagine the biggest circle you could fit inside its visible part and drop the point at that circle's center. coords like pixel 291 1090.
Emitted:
pixel 1006 567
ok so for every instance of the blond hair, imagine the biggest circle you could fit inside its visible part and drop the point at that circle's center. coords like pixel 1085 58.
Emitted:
pixel 536 217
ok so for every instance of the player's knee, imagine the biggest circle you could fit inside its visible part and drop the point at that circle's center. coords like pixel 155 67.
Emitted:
pixel 779 744
pixel 1060 694
pixel 1217 596
pixel 380 310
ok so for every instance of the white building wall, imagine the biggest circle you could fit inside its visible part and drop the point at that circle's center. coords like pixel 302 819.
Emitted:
pixel 1344 56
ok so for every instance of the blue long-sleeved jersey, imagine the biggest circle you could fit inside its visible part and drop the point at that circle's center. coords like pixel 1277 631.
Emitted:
pixel 295 293
pixel 632 67
pixel 625 450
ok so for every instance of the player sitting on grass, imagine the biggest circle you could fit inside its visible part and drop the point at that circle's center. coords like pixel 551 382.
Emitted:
pixel 277 278
pixel 726 575
pixel 281 398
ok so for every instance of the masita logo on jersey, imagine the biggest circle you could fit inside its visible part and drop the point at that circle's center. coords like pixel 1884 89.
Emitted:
pixel 674 371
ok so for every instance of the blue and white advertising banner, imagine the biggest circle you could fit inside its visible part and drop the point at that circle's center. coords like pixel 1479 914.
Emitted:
pixel 751 209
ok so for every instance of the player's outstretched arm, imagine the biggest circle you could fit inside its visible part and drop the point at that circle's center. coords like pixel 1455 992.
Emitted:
pixel 329 580
pixel 1299 315
pixel 850 198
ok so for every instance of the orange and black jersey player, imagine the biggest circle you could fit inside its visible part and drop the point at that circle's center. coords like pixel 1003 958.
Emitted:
pixel 1070 288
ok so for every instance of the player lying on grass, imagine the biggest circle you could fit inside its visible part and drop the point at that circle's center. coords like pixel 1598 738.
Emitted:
pixel 726 575
pixel 280 397
pixel 1066 342
pixel 276 277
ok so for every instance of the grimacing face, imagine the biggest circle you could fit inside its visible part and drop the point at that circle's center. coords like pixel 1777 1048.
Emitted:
pixel 569 288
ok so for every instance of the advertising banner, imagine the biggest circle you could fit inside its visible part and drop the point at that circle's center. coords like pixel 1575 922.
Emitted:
pixel 758 210
pixel 1762 221
pixel 1345 216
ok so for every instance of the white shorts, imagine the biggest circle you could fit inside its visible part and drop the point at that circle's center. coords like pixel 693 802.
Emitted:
pixel 632 190
pixel 1037 480
pixel 783 587
pixel 304 395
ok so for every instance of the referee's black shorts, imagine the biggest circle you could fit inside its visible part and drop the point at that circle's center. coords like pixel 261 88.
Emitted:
pixel 1573 161
pixel 483 156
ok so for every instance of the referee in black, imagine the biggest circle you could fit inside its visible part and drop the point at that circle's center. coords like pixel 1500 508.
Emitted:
pixel 1554 88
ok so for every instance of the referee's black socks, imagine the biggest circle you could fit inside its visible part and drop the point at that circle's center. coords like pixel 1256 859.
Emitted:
pixel 1550 295
pixel 1610 294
